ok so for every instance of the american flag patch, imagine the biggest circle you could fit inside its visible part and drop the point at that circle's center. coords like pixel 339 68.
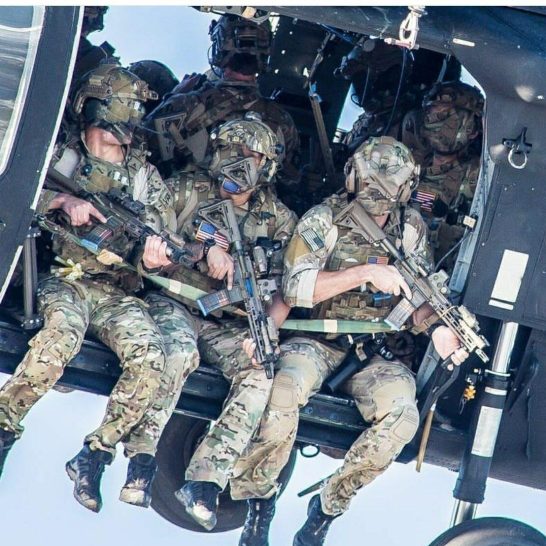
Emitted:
pixel 207 231
pixel 424 198
pixel 379 260
pixel 312 239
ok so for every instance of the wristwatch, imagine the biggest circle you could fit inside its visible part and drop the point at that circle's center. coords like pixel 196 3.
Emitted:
pixel 433 327
pixel 207 245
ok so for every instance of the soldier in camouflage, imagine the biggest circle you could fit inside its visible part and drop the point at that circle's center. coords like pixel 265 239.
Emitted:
pixel 244 161
pixel 183 122
pixel 90 293
pixel 450 126
pixel 389 84
pixel 330 268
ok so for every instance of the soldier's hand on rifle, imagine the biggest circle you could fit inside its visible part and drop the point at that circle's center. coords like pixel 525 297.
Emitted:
pixel 155 253
pixel 220 265
pixel 386 278
pixel 446 344
pixel 249 347
pixel 79 211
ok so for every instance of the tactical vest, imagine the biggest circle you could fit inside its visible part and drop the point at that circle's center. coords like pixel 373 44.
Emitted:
pixel 449 183
pixel 261 218
pixel 190 188
pixel 95 175
pixel 258 221
pixel 353 249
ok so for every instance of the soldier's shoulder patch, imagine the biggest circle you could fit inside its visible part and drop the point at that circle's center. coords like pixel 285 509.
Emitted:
pixel 312 239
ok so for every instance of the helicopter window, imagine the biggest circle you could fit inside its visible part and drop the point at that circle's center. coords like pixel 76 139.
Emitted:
pixel 20 30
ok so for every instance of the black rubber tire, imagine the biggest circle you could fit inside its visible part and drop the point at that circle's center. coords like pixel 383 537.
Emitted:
pixel 175 449
pixel 491 531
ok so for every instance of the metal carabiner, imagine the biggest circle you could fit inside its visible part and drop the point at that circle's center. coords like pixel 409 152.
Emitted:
pixel 409 29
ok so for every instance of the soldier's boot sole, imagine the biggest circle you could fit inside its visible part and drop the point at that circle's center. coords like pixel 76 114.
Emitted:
pixel 200 513
pixel 85 500
pixel 136 497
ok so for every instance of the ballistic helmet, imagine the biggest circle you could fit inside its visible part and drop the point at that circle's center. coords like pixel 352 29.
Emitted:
pixel 381 174
pixel 232 162
pixel 241 44
pixel 452 115
pixel 112 98
pixel 158 76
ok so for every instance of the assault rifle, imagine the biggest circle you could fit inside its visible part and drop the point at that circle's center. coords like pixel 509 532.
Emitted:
pixel 250 290
pixel 123 215
pixel 426 286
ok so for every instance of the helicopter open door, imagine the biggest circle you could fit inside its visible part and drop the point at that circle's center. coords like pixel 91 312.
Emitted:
pixel 37 51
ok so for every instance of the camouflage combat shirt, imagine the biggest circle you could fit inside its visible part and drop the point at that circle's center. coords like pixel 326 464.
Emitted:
pixel 135 176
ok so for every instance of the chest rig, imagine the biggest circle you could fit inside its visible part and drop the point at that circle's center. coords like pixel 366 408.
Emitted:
pixel 353 249
pixel 448 183
pixel 190 188
pixel 261 218
pixel 258 221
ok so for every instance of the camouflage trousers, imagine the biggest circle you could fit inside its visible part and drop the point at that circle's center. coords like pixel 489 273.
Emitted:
pixel 179 330
pixel 385 395
pixel 217 454
pixel 186 337
pixel 119 321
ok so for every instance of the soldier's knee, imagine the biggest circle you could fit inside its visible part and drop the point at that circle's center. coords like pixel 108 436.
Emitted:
pixel 184 360
pixel 149 353
pixel 288 392
pixel 404 419
pixel 60 340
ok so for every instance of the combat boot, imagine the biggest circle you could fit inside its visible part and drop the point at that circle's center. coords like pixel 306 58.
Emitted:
pixel 7 439
pixel 140 476
pixel 200 499
pixel 86 470
pixel 258 520
pixel 314 530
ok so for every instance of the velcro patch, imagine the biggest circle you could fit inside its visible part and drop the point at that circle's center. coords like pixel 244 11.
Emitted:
pixel 312 239
pixel 380 260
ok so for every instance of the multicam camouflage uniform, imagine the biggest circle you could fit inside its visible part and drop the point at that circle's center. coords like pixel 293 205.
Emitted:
pixel 188 119
pixel 442 137
pixel 91 295
pixel 187 336
pixel 445 188
pixel 384 391
pixel 178 326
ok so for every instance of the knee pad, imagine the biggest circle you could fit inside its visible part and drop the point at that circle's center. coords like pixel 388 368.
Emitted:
pixel 292 388
pixel 284 395
pixel 58 344
pixel 405 422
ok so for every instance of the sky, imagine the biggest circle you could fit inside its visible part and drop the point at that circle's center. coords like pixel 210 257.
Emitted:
pixel 402 507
